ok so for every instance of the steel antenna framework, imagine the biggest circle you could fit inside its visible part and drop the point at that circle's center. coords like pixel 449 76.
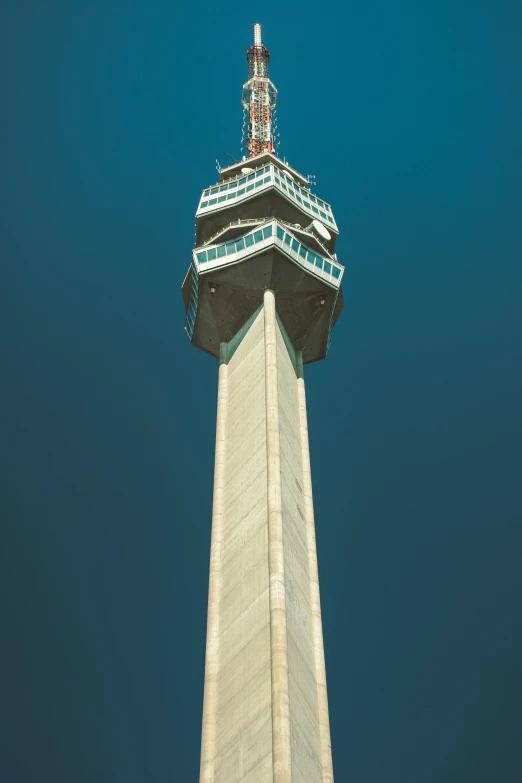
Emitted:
pixel 259 99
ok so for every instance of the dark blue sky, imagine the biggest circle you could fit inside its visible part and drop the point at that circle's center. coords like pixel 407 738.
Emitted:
pixel 409 115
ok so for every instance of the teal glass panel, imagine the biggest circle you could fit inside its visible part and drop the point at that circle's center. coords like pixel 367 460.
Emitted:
pixel 231 195
pixel 287 240
pixel 211 253
pixel 323 214
pixel 232 185
pixel 258 236
pixel 222 198
pixel 278 180
pixel 312 198
pixel 214 190
pixel 242 181
pixel 300 200
pixel 204 204
pixel 222 188
pixel 315 209
pixel 283 186
pixel 260 172
pixel 327 267
pixel 320 202
pixel 306 204
pixel 259 182
pixel 221 251
pixel 250 177
pixel 240 244
pixel 240 192
pixel 295 245
pixel 336 272
pixel 212 201
pixel 310 256
pixel 249 240
pixel 280 233
pixel 330 219
pixel 231 247
pixel 267 231
pixel 206 193
pixel 250 187
pixel 266 179
pixel 202 257
pixel 302 251
pixel 318 262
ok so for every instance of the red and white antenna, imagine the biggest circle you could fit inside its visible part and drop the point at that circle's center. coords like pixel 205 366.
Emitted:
pixel 259 99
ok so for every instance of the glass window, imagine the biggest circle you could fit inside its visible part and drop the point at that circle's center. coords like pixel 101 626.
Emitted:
pixel 278 180
pixel 280 233
pixel 250 177
pixel 318 262
pixel 336 272
pixel 260 172
pixel 300 200
pixel 330 219
pixel 302 251
pixel 222 198
pixel 327 208
pixel 206 193
pixel 315 209
pixel 306 204
pixel 240 192
pixel 287 240
pixel 266 179
pixel 211 253
pixel 323 214
pixel 259 182
pixel 232 185
pixel 203 204
pixel 283 186
pixel 258 236
pixel 312 198
pixel 267 231
pixel 214 190
pixel 231 247
pixel 327 267
pixel 231 195
pixel 250 187
pixel 320 202
pixel 310 256
pixel 222 188
pixel 240 244
pixel 202 257
pixel 242 181
pixel 221 251
pixel 295 245
pixel 249 240
pixel 212 201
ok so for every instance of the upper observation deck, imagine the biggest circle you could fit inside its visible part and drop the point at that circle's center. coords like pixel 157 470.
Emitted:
pixel 261 187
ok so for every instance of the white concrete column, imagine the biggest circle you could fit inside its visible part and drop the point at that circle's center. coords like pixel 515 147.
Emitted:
pixel 208 734
pixel 320 669
pixel 281 751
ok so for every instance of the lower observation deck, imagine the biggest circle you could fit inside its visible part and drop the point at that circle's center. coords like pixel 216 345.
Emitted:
pixel 226 282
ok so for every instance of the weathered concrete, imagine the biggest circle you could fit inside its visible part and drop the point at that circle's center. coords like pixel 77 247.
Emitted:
pixel 265 716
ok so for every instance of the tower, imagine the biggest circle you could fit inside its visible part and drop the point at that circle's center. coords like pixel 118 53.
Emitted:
pixel 262 295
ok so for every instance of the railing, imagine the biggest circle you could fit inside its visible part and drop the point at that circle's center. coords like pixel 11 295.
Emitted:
pixel 245 186
pixel 272 233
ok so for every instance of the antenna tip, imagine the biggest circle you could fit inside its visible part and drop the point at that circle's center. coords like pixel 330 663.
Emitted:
pixel 257 35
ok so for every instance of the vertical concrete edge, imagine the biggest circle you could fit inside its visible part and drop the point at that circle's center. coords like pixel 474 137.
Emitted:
pixel 320 668
pixel 281 749
pixel 210 695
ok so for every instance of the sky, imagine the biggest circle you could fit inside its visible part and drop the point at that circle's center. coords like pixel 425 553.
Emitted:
pixel 408 114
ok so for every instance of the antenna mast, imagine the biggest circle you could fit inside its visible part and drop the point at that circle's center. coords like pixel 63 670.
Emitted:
pixel 259 99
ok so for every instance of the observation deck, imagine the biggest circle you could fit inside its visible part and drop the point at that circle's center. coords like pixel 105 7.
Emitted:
pixel 269 189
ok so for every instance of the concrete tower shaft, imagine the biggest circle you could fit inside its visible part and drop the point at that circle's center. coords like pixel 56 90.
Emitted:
pixel 262 295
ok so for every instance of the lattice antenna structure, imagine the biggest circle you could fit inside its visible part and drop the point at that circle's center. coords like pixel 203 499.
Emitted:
pixel 259 99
